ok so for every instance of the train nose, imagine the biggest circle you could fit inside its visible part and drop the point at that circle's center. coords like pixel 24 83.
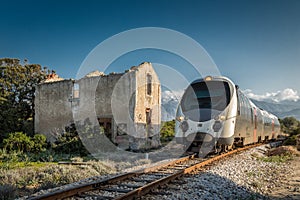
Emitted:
pixel 199 136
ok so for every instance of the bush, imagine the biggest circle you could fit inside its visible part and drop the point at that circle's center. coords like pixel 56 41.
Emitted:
pixel 70 143
pixel 40 142
pixel 7 192
pixel 292 140
pixel 290 125
pixel 168 130
pixel 6 157
pixel 20 142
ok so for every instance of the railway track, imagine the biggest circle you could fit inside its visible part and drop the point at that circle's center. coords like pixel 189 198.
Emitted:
pixel 135 184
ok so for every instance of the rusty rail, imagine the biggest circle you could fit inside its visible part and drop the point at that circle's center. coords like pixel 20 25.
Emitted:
pixel 76 190
pixel 147 188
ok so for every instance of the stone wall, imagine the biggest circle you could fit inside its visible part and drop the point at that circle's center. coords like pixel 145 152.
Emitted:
pixel 126 105
pixel 53 108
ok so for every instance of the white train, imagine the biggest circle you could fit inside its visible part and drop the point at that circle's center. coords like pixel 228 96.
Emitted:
pixel 214 114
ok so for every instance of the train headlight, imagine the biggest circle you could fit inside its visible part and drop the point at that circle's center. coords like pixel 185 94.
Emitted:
pixel 220 117
pixel 180 118
pixel 208 78
pixel 184 126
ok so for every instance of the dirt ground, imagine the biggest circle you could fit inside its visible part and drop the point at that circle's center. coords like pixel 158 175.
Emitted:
pixel 291 184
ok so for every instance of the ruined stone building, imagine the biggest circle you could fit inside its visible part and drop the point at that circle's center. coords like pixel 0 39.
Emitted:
pixel 126 106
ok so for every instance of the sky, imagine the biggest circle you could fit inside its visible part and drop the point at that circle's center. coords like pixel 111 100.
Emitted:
pixel 255 43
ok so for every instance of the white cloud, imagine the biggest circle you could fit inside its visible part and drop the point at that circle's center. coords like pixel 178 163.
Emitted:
pixel 287 94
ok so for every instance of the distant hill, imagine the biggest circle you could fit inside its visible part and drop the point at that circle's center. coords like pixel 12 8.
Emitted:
pixel 282 109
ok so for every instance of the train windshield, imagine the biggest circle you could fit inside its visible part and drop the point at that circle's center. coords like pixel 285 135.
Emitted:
pixel 201 100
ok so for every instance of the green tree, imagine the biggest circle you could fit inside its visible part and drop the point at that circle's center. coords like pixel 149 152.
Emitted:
pixel 17 87
pixel 290 125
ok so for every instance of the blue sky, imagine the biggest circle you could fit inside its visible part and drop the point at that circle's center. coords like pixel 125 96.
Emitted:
pixel 255 43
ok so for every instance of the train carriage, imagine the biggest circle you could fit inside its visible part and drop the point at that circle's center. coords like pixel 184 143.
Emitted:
pixel 214 114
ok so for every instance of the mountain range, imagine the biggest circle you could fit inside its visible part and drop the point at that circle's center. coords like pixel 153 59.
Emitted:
pixel 281 109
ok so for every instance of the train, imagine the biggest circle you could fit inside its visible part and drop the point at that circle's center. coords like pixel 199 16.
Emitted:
pixel 214 115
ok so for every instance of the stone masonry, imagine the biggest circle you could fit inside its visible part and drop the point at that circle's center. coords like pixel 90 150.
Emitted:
pixel 124 106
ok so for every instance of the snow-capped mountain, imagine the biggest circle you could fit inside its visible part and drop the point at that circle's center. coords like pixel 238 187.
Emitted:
pixel 281 109
pixel 169 104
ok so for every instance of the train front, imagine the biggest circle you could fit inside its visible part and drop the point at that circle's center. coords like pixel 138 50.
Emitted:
pixel 206 114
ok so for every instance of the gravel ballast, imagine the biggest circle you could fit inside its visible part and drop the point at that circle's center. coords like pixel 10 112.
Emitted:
pixel 242 176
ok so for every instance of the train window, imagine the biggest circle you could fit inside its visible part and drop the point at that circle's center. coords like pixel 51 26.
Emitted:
pixel 213 95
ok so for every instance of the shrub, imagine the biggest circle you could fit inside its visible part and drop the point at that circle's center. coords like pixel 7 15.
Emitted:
pixel 18 141
pixel 7 192
pixel 40 142
pixel 290 125
pixel 168 130
pixel 9 157
pixel 70 143
pixel 292 140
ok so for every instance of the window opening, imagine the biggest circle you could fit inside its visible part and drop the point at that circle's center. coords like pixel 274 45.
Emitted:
pixel 149 84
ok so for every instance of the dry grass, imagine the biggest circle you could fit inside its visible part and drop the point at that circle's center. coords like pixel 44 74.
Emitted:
pixel 27 180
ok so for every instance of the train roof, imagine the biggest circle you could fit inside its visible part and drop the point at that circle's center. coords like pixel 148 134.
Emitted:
pixel 211 78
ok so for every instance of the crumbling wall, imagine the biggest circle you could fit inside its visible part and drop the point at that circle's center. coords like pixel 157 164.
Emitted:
pixel 134 118
pixel 148 107
pixel 53 109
